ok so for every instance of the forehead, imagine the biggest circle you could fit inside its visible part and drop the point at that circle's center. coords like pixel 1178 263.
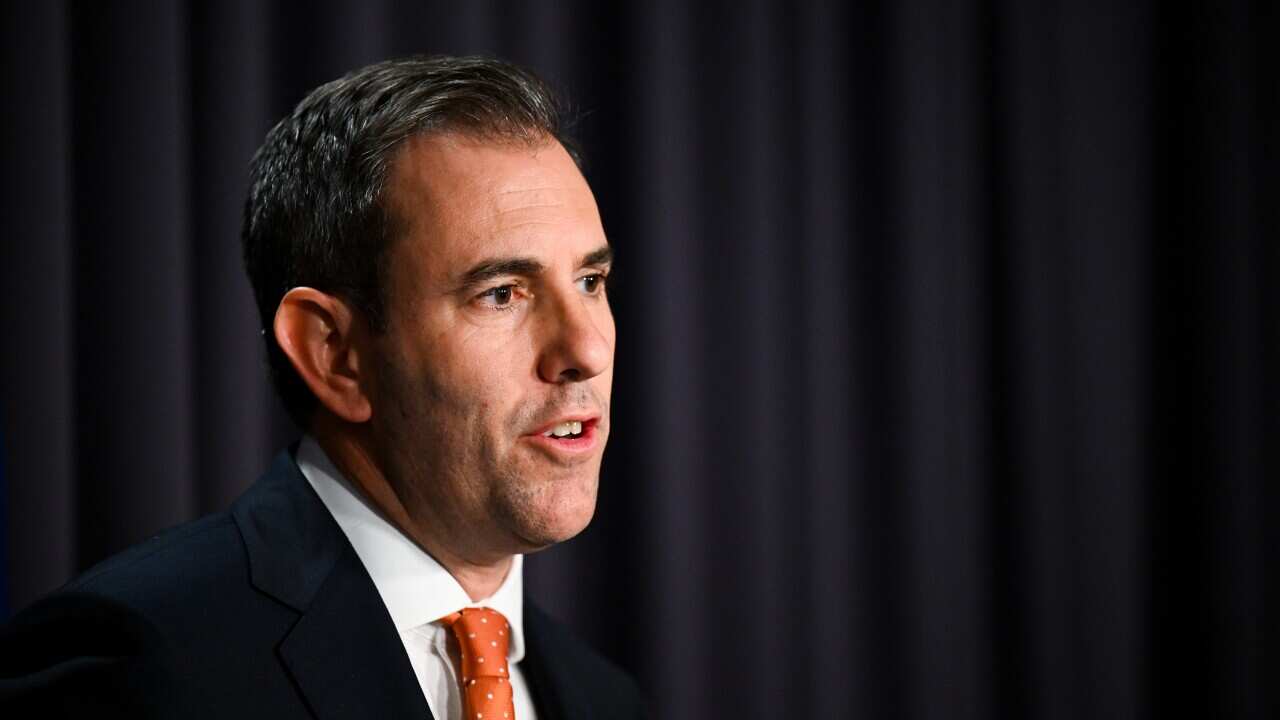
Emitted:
pixel 460 199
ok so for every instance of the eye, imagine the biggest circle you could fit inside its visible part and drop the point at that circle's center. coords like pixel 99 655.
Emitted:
pixel 592 284
pixel 498 297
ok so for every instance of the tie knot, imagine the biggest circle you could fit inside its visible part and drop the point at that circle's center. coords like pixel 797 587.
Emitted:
pixel 483 635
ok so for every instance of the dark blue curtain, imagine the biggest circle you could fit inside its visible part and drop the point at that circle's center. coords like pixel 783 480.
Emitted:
pixel 944 329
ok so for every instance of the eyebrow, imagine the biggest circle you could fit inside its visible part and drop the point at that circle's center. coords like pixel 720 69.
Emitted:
pixel 597 257
pixel 486 270
pixel 491 268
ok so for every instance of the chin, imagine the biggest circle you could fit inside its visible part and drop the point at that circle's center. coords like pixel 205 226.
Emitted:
pixel 556 515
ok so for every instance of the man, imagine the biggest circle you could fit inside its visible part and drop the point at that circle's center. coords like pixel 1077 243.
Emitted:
pixel 430 268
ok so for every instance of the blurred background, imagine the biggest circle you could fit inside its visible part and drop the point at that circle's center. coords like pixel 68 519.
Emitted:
pixel 944 328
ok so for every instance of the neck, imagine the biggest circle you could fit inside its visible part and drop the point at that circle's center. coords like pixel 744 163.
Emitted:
pixel 480 578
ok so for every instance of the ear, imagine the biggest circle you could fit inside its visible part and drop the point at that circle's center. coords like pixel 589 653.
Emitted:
pixel 326 342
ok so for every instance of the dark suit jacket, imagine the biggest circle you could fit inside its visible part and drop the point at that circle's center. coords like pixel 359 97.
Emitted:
pixel 264 611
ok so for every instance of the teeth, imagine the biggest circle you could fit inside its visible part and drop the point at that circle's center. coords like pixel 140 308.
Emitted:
pixel 564 429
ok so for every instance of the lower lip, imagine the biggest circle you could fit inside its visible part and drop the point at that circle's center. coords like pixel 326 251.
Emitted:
pixel 584 443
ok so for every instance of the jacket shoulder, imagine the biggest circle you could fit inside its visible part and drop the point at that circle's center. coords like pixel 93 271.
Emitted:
pixel 106 639
pixel 204 547
pixel 74 653
pixel 147 631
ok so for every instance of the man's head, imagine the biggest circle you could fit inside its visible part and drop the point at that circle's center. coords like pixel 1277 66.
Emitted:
pixel 429 265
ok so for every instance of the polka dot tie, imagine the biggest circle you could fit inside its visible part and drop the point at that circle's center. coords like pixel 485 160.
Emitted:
pixel 486 686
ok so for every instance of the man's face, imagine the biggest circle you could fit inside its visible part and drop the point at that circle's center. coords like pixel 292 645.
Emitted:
pixel 498 332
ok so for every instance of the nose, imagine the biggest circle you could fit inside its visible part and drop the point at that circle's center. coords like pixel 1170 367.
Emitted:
pixel 579 343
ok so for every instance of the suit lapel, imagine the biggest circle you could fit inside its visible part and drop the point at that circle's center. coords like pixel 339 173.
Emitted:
pixel 344 652
pixel 346 655
pixel 557 693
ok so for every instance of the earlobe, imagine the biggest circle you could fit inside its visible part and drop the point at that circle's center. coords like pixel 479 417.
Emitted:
pixel 318 332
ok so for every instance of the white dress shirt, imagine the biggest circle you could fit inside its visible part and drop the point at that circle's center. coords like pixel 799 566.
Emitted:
pixel 417 590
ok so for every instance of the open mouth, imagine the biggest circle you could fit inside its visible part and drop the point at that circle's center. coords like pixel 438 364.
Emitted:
pixel 575 437
pixel 568 430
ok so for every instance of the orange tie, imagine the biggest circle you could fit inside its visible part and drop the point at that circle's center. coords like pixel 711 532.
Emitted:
pixel 486 686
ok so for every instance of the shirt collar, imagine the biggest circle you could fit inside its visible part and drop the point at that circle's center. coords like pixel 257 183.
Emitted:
pixel 415 587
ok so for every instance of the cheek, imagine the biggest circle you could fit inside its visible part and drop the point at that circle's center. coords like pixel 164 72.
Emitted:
pixel 480 399
pixel 486 356
pixel 457 361
pixel 474 378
